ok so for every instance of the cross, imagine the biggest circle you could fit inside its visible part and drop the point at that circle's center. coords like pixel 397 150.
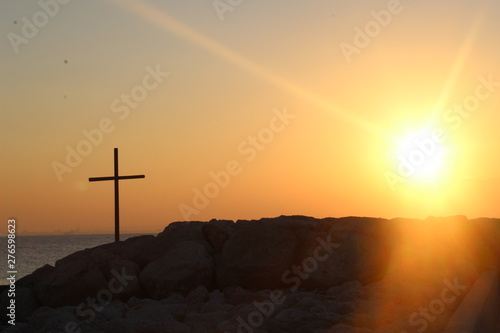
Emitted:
pixel 116 178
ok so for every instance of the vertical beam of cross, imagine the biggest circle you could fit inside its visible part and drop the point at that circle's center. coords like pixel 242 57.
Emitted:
pixel 117 197
pixel 116 178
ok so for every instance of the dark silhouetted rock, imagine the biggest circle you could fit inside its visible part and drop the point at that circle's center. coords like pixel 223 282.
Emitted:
pixel 256 256
pixel 26 303
pixel 217 233
pixel 181 269
pixel 84 274
pixel 211 276
pixel 138 249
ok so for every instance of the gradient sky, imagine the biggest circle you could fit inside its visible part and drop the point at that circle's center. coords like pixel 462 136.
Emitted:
pixel 229 73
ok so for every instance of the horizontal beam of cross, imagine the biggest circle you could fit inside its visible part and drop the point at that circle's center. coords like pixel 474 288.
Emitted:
pixel 99 179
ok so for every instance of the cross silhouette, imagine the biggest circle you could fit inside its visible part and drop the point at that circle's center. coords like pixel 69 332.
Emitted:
pixel 116 178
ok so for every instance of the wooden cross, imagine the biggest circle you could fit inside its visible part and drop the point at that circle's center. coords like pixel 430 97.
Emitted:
pixel 116 178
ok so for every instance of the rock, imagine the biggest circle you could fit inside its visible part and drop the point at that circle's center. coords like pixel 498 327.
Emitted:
pixel 181 269
pixel 18 328
pixel 129 325
pixel 212 306
pixel 63 319
pixel 115 309
pixel 317 326
pixel 31 279
pixel 488 236
pixel 123 279
pixel 238 295
pixel 244 310
pixel 178 311
pixel 217 296
pixel 256 256
pixel 133 301
pixel 326 315
pixel 180 232
pixel 63 287
pixel 301 226
pixel 348 291
pixel 341 308
pixel 448 242
pixel 215 235
pixel 147 316
pixel 337 290
pixel 205 322
pixel 229 325
pixel 341 328
pixel 175 298
pixel 137 249
pixel 293 315
pixel 307 303
pixel 355 256
pixel 198 295
pixel 89 273
pixel 26 303
pixel 149 310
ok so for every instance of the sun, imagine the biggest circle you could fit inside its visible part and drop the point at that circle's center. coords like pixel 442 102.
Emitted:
pixel 422 157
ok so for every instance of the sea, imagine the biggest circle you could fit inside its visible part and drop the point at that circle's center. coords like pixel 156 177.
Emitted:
pixel 33 252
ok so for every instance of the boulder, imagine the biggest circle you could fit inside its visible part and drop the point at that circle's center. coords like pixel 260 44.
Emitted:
pixel 205 322
pixel 256 256
pixel 129 325
pixel 341 328
pixel 217 233
pixel 317 326
pixel 236 295
pixel 30 280
pixel 138 249
pixel 115 309
pixel 179 232
pixel 355 256
pixel 181 269
pixel 26 303
pixel 26 299
pixel 335 291
pixel 18 328
pixel 149 310
pixel 198 295
pixel 62 319
pixel 85 274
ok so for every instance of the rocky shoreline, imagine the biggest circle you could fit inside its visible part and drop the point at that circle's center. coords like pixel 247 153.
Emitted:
pixel 287 274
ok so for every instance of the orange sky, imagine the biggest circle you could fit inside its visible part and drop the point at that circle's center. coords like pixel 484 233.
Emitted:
pixel 305 114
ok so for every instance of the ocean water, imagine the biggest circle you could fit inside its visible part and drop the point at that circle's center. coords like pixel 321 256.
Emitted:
pixel 33 252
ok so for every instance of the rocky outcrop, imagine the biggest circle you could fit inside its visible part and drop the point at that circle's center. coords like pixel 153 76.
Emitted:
pixel 285 274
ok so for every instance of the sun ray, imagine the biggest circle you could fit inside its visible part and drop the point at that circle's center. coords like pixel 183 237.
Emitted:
pixel 459 62
pixel 180 29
